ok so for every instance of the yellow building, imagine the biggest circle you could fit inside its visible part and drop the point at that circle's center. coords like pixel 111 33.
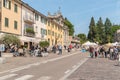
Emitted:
pixel 55 29
pixel 10 16
pixel 54 33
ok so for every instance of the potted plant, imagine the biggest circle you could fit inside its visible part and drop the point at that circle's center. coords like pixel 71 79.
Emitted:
pixel 30 30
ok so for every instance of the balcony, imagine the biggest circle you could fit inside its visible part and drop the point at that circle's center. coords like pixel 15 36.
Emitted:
pixel 29 32
pixel 29 20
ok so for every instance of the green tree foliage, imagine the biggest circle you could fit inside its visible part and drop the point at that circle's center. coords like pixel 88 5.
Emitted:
pixel 92 30
pixel 108 31
pixel 70 26
pixel 44 44
pixel 114 28
pixel 10 39
pixel 82 37
pixel 102 33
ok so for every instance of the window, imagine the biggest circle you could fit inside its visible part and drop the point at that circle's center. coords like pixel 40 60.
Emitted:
pixel 7 4
pixel 42 19
pixel 52 25
pixel 42 32
pixel 55 26
pixel 55 34
pixel 36 29
pixel 15 24
pixel 49 32
pixel 52 33
pixel 15 8
pixel 46 32
pixel 45 21
pixel 48 40
pixel 6 22
pixel 36 17
pixel 48 23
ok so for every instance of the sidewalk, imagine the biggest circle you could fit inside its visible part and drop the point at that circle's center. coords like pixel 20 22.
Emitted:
pixel 13 62
pixel 97 69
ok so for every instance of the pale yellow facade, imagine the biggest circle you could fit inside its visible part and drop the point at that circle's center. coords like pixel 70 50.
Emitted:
pixel 54 33
pixel 14 18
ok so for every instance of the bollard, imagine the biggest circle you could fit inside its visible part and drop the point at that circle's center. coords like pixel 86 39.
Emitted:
pixel 0 54
pixel 119 60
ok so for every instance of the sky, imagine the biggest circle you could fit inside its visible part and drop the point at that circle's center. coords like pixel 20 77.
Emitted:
pixel 79 12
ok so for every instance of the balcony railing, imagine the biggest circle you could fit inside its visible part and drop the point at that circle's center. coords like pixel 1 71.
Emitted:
pixel 29 34
pixel 29 19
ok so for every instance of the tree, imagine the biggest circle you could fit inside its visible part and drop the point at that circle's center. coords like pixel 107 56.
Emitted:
pixel 114 28
pixel 82 38
pixel 10 39
pixel 70 26
pixel 101 31
pixel 92 30
pixel 44 44
pixel 108 30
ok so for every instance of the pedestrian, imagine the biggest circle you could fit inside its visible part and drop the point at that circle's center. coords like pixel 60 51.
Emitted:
pixel 60 49
pixel 15 53
pixel 115 53
pixel 91 50
pixel 111 53
pixel 54 49
pixel 65 47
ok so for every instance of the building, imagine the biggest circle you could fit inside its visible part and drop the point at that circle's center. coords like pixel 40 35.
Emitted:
pixel 10 17
pixel 66 39
pixel 30 25
pixel 27 16
pixel 117 36
pixel 57 31
pixel 33 26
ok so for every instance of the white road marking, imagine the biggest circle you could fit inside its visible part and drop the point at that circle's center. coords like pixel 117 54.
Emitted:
pixel 7 76
pixel 62 57
pixel 74 66
pixel 19 69
pixel 67 71
pixel 65 77
pixel 44 78
pixel 26 77
pixel 35 64
pixel 44 62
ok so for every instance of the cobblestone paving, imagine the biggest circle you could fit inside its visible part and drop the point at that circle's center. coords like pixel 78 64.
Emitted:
pixel 97 69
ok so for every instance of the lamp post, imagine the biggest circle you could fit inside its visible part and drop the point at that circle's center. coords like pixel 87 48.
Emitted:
pixel 1 48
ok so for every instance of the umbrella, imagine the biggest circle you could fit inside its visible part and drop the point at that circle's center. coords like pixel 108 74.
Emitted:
pixel 109 44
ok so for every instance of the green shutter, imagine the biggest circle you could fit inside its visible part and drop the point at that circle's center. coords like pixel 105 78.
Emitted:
pixel 15 8
pixel 15 24
pixel 4 3
pixel 6 22
pixel 9 4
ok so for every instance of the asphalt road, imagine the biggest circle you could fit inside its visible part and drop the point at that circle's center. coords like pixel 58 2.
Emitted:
pixel 53 69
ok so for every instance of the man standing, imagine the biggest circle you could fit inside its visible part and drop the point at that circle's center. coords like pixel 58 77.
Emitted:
pixel 60 49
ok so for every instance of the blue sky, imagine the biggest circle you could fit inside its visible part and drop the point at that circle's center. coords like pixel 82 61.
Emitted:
pixel 79 12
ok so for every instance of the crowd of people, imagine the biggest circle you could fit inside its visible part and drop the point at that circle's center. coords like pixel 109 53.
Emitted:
pixel 39 51
pixel 111 52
